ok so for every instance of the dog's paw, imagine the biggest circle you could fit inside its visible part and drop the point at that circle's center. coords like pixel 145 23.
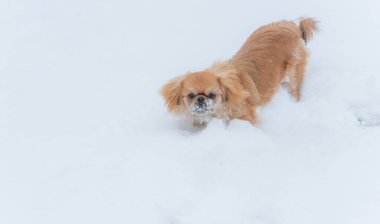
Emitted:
pixel 199 123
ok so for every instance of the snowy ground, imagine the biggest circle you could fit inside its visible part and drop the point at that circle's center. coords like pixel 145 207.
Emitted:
pixel 85 138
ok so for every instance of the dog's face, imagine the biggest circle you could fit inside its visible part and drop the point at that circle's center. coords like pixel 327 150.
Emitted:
pixel 198 94
pixel 204 94
pixel 201 93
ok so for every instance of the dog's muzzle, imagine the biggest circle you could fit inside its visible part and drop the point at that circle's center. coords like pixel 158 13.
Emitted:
pixel 201 105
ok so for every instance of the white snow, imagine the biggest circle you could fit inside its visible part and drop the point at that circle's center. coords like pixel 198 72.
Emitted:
pixel 85 137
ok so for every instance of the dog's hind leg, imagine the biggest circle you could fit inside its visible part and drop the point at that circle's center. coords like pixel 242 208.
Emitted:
pixel 295 71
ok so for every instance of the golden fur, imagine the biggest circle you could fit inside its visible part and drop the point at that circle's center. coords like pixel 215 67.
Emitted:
pixel 236 87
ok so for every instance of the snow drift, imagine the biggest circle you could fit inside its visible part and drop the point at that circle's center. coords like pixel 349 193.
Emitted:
pixel 85 137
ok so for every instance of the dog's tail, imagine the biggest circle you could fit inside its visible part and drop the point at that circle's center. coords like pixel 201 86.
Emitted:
pixel 307 27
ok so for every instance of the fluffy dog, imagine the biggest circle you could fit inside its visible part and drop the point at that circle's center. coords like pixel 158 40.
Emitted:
pixel 235 88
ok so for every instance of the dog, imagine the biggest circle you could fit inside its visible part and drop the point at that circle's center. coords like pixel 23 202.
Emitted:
pixel 235 88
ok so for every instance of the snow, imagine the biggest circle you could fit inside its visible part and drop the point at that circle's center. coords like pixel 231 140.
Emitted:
pixel 85 136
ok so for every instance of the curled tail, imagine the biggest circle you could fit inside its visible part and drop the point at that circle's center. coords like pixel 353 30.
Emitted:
pixel 307 27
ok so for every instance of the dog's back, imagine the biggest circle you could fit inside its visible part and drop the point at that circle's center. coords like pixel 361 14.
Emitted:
pixel 272 51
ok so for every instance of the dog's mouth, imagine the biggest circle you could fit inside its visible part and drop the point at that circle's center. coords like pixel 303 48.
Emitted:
pixel 202 108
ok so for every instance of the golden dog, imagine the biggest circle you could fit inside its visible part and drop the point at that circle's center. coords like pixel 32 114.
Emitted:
pixel 235 88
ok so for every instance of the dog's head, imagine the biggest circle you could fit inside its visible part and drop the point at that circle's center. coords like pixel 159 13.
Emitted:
pixel 207 93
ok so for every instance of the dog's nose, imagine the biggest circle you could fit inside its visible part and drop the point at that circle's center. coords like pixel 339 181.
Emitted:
pixel 201 99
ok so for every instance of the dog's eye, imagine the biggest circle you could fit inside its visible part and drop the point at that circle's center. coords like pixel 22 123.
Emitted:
pixel 211 95
pixel 191 96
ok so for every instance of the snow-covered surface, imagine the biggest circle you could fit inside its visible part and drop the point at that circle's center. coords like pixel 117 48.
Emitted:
pixel 85 138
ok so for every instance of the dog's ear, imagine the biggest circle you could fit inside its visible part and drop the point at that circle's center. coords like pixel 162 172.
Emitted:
pixel 233 92
pixel 172 94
